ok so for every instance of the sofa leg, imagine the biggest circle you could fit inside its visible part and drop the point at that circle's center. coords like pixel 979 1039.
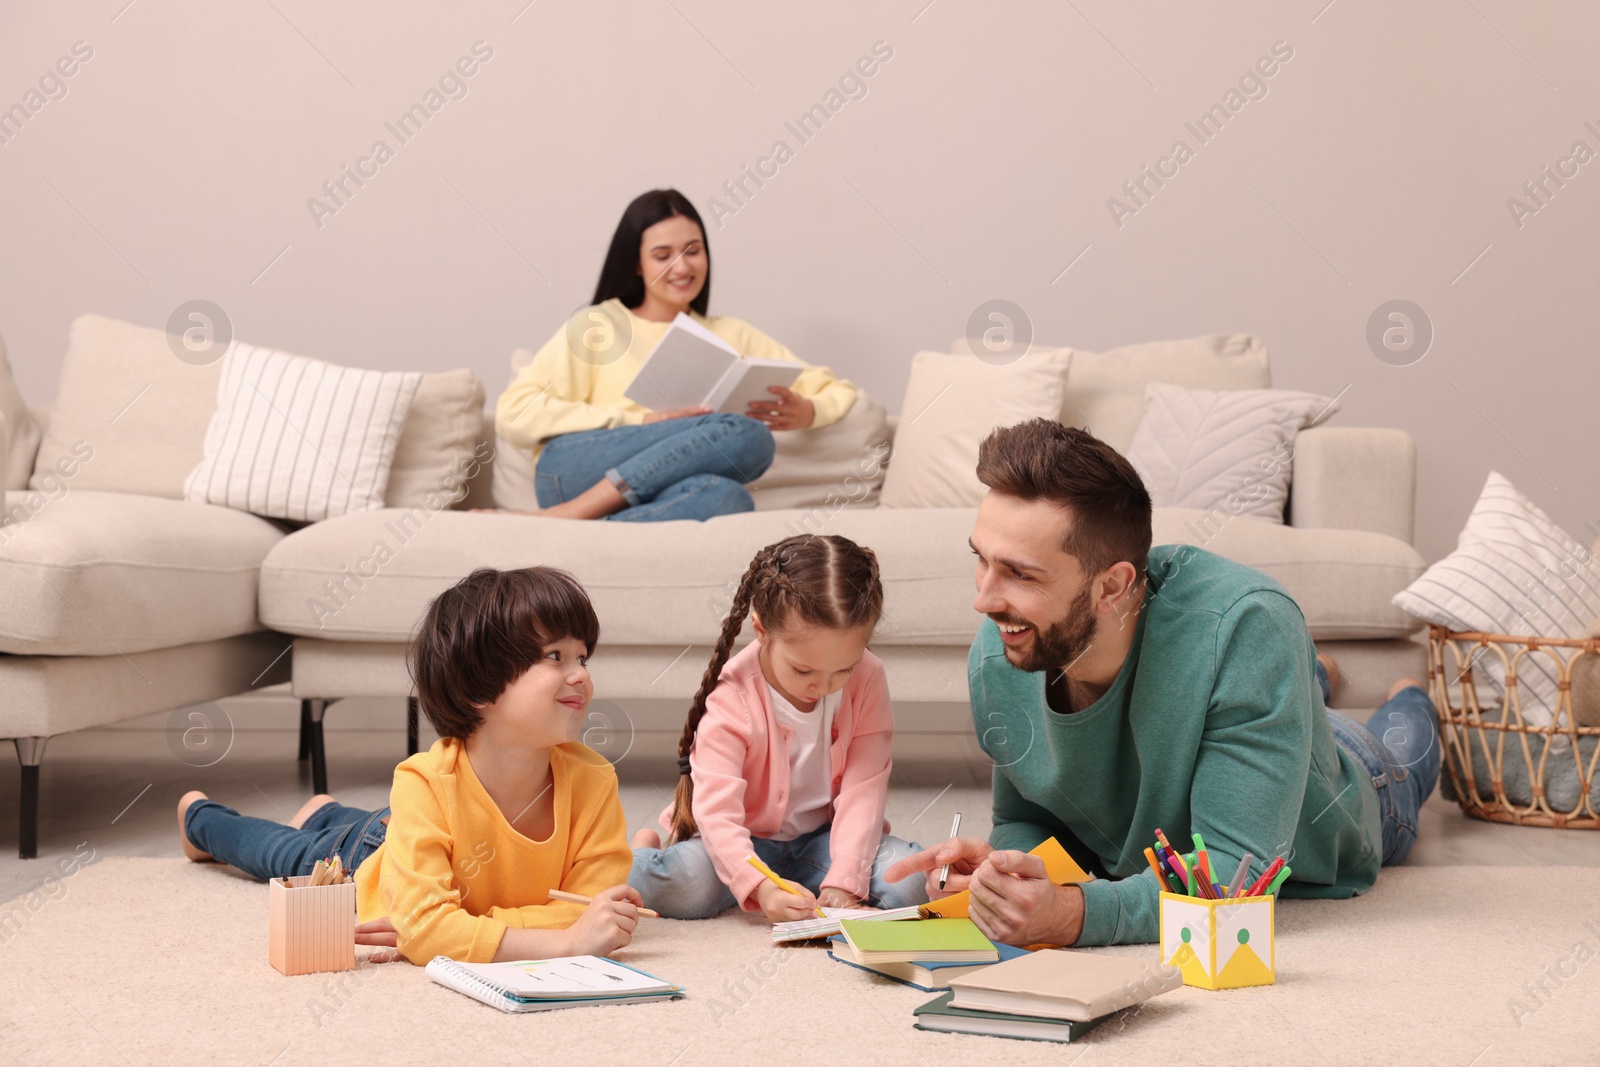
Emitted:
pixel 305 731
pixel 315 710
pixel 411 726
pixel 30 750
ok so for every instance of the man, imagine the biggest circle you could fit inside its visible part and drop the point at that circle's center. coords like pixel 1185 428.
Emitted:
pixel 1120 688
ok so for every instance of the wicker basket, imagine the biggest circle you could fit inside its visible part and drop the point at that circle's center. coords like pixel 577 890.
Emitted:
pixel 1487 748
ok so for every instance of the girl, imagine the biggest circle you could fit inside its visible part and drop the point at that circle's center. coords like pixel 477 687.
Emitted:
pixel 785 754
pixel 504 807
pixel 605 456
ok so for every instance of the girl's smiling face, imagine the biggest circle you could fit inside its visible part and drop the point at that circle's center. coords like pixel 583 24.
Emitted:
pixel 673 262
pixel 547 703
pixel 807 665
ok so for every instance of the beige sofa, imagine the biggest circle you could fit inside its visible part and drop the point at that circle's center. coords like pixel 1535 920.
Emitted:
pixel 123 602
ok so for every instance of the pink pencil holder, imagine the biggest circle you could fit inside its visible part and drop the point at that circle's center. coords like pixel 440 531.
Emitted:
pixel 311 928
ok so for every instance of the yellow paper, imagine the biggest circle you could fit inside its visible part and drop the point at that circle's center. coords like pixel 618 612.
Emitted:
pixel 1059 867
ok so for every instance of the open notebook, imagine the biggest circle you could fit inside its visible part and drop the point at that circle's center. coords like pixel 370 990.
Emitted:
pixel 541 985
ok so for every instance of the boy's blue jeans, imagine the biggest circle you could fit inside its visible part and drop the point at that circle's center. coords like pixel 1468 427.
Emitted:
pixel 693 468
pixel 268 849
pixel 1399 747
pixel 680 882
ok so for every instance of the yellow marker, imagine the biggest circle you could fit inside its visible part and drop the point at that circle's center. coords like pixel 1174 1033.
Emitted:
pixel 772 876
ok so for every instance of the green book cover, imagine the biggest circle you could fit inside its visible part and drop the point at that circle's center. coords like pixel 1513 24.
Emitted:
pixel 924 936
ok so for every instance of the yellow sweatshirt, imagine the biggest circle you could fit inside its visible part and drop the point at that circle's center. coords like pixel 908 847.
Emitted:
pixel 559 393
pixel 452 874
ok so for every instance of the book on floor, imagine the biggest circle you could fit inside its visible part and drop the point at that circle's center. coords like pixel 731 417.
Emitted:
pixel 926 975
pixel 924 941
pixel 1064 983
pixel 542 985
pixel 938 1015
pixel 828 924
pixel 691 367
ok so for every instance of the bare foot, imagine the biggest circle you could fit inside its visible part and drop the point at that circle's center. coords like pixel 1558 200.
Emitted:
pixel 647 838
pixel 186 802
pixel 1404 683
pixel 310 808
pixel 1334 677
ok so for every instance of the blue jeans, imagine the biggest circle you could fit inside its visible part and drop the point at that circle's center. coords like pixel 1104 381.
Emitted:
pixel 693 468
pixel 268 849
pixel 1403 761
pixel 680 882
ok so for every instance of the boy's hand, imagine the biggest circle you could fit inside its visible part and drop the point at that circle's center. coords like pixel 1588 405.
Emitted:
pixel 380 932
pixel 608 922
pixel 781 906
pixel 837 898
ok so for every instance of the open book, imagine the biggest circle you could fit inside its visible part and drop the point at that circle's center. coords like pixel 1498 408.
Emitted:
pixel 691 367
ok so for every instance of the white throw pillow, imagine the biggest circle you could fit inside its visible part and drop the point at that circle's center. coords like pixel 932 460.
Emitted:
pixel 952 403
pixel 840 465
pixel 297 438
pixel 1513 572
pixel 1229 452
pixel 22 432
pixel 435 456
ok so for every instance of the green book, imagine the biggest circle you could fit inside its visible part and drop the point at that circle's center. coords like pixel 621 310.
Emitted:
pixel 919 940
pixel 939 1016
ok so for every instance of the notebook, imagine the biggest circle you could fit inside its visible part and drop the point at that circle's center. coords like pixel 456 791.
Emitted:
pixel 1064 984
pixel 938 1015
pixel 928 976
pixel 541 985
pixel 691 367
pixel 924 941
pixel 1060 867
pixel 811 929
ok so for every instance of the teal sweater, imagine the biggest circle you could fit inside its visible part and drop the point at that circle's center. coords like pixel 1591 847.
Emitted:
pixel 1215 724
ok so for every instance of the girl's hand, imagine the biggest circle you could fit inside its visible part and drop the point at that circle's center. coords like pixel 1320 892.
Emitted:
pixel 790 411
pixel 680 413
pixel 608 922
pixel 781 906
pixel 837 898
pixel 380 932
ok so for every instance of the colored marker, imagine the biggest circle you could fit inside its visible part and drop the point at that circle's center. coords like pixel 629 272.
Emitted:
pixel 1235 886
pixel 1204 858
pixel 1161 879
pixel 1283 876
pixel 1266 878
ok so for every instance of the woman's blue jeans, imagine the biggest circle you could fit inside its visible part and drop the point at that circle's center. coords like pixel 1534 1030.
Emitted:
pixel 691 468
pixel 268 849
pixel 1403 760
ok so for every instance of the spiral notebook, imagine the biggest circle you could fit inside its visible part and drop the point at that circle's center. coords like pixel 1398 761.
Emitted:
pixel 543 985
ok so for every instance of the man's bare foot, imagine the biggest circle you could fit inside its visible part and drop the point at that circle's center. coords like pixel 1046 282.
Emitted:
pixel 1403 684
pixel 1334 677
pixel 310 808
pixel 185 802
pixel 647 838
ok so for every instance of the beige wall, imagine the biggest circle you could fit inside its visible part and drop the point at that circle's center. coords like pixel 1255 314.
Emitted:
pixel 977 166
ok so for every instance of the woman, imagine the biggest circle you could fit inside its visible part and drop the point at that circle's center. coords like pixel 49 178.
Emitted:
pixel 600 455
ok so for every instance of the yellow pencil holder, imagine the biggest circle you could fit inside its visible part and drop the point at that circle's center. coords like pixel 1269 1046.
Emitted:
pixel 311 928
pixel 1219 944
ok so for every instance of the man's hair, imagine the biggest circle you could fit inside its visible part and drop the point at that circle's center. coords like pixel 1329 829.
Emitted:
pixel 482 633
pixel 1108 506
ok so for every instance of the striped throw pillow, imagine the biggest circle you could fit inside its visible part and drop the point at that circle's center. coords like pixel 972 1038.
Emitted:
pixel 1513 572
pixel 300 439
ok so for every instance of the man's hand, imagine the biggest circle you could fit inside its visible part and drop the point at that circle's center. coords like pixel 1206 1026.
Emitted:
pixel 380 932
pixel 790 411
pixel 1014 902
pixel 680 413
pixel 964 854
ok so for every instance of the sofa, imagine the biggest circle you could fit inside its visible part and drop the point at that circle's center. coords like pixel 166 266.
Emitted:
pixel 122 598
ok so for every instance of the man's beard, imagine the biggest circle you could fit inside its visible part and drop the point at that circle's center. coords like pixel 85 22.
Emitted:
pixel 1057 647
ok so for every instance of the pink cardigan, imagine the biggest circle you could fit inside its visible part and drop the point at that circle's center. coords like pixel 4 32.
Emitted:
pixel 740 765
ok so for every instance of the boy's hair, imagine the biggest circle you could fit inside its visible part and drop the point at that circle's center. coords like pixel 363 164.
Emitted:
pixel 806 580
pixel 482 633
pixel 1107 502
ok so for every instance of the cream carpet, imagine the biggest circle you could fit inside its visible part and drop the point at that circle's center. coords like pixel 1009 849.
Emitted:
pixel 157 961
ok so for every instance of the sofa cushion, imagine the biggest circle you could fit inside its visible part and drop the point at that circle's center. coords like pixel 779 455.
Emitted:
pixel 92 573
pixel 22 433
pixel 443 427
pixel 370 576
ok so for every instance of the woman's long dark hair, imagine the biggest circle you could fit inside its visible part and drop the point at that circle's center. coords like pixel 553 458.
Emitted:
pixel 619 277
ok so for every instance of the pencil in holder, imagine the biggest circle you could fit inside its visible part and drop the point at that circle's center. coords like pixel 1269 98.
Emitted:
pixel 1219 944
pixel 311 928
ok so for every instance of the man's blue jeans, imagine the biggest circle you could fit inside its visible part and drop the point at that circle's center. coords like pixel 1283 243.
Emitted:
pixel 268 849
pixel 1399 747
pixel 693 468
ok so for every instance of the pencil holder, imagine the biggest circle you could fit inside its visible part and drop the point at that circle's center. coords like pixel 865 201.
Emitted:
pixel 311 928
pixel 1219 944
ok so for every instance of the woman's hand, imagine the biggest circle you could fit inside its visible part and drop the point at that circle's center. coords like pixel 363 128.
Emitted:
pixel 837 898
pixel 680 413
pixel 964 855
pixel 790 411
pixel 608 922
pixel 380 932
pixel 781 906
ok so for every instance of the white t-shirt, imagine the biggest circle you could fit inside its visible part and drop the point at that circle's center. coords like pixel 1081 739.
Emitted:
pixel 810 763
